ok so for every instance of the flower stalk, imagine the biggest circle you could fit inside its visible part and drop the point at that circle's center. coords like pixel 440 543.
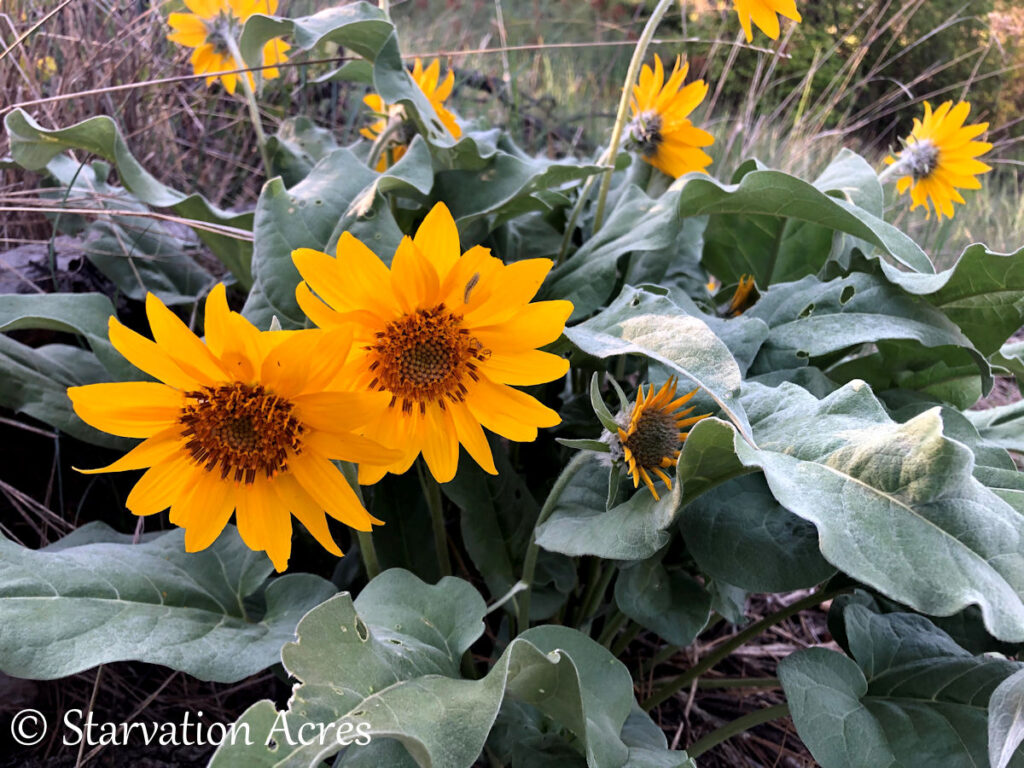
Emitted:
pixel 620 115
pixel 250 100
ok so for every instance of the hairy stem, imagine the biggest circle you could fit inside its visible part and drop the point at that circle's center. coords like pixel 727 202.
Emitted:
pixel 250 99
pixel 620 116
pixel 367 550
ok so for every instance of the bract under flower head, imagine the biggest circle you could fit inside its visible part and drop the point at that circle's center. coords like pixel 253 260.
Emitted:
pixel 941 156
pixel 209 25
pixel 248 422
pixel 661 128
pixel 445 335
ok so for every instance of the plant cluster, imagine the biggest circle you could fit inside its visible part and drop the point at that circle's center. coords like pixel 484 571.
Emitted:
pixel 424 345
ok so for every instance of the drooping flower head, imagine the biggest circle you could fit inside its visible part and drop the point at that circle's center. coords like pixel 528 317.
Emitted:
pixel 207 29
pixel 661 128
pixel 652 441
pixel 436 91
pixel 765 14
pixel 246 423
pixel 940 156
pixel 446 335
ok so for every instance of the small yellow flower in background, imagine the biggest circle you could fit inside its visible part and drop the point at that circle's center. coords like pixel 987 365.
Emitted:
pixel 652 440
pixel 743 297
pixel 661 128
pixel 940 157
pixel 765 14
pixel 47 67
pixel 437 92
pixel 446 335
pixel 245 423
pixel 207 28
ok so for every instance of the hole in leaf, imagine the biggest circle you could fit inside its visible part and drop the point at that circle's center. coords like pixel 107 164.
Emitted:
pixel 361 630
pixel 807 311
pixel 802 353
pixel 394 642
pixel 847 294
pixel 635 302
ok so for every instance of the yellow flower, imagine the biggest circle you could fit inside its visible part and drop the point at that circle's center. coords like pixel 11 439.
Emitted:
pixel 210 24
pixel 651 442
pixel 244 423
pixel 47 67
pixel 743 297
pixel 427 79
pixel 765 14
pixel 940 156
pixel 660 128
pixel 444 334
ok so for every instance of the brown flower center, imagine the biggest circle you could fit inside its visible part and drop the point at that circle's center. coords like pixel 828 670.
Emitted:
pixel 425 356
pixel 244 429
pixel 655 436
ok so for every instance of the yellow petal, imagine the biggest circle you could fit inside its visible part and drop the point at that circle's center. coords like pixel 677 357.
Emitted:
pixel 184 347
pixel 328 488
pixel 147 356
pixel 128 409
pixel 161 486
pixel 211 504
pixel 154 450
pixel 438 239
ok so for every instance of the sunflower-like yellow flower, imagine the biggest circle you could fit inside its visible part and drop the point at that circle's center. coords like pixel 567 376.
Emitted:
pixel 245 423
pixel 661 128
pixel 208 27
pixel 765 14
pixel 939 157
pixel 444 334
pixel 436 91
pixel 652 441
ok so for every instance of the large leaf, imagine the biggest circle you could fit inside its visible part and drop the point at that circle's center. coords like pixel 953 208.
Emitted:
pixel 1006 721
pixel 637 224
pixel 399 647
pixel 1002 425
pixel 667 601
pixel 775 249
pixel 895 505
pixel 738 533
pixel 810 318
pixel 69 609
pixel 910 696
pixel 33 147
pixel 339 195
pixel 640 322
pixel 581 524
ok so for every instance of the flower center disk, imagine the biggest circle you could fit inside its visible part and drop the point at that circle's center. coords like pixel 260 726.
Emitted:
pixel 655 437
pixel 244 429
pixel 424 357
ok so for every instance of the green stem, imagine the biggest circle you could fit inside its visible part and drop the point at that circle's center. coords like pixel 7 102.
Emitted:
pixel 432 492
pixel 383 141
pixel 627 637
pixel 530 561
pixel 891 172
pixel 570 225
pixel 735 728
pixel 611 628
pixel 712 683
pixel 250 99
pixel 669 689
pixel 620 116
pixel 595 592
pixel 367 550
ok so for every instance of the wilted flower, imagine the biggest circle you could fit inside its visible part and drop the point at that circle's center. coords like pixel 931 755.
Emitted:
pixel 446 335
pixel 245 423
pixel 211 25
pixel 661 129
pixel 940 157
